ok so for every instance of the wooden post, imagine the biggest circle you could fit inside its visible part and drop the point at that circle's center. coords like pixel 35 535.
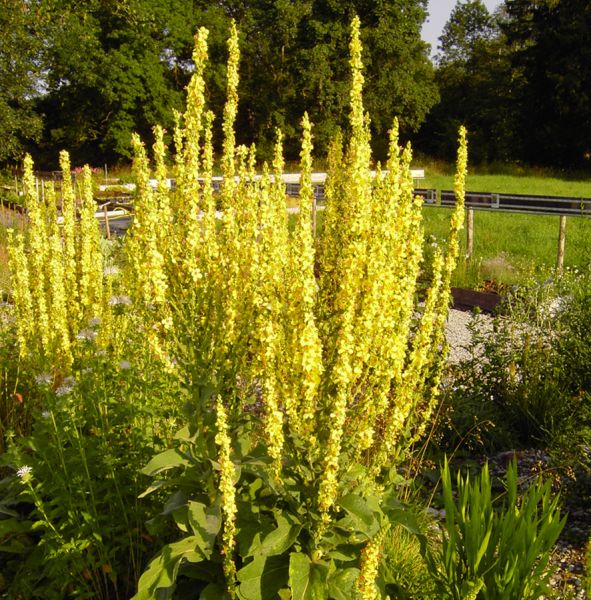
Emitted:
pixel 561 244
pixel 107 227
pixel 469 233
pixel 314 216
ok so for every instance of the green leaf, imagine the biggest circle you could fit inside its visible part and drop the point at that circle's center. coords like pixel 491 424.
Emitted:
pixel 262 578
pixel 341 583
pixel 363 517
pixel 307 579
pixel 169 459
pixel 156 485
pixel 281 538
pixel 299 575
pixel 205 523
pixel 162 571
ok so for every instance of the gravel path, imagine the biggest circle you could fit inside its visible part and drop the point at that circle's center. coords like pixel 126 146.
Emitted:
pixel 458 334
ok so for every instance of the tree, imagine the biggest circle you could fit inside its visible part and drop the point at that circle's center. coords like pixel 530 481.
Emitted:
pixel 551 63
pixel 474 78
pixel 470 25
pixel 113 67
pixel 294 60
pixel 18 78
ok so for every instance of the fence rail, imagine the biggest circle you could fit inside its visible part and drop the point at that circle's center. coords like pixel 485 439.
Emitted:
pixel 514 203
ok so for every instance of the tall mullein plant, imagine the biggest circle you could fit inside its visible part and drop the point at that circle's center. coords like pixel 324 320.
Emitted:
pixel 57 270
pixel 322 371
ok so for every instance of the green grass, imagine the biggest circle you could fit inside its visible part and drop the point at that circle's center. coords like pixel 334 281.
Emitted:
pixel 512 184
pixel 511 247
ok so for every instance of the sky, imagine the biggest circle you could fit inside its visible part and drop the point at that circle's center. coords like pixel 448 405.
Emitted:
pixel 439 11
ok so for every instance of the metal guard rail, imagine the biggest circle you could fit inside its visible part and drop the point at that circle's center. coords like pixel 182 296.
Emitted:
pixel 515 203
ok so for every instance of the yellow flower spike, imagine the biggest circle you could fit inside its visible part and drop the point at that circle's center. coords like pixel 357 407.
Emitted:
pixel 59 305
pixel 89 256
pixel 179 163
pixel 193 120
pixel 37 259
pixel 70 242
pixel 146 258
pixel 230 112
pixel 306 349
pixel 266 338
pixel 228 493
pixel 209 219
pixel 357 116
pixel 370 561
pixel 161 172
pixel 21 291
pixel 29 185
pixel 164 233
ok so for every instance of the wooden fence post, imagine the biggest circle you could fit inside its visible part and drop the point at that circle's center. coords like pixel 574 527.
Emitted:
pixel 469 233
pixel 561 244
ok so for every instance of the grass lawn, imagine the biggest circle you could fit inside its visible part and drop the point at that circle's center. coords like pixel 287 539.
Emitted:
pixel 510 247
pixel 512 184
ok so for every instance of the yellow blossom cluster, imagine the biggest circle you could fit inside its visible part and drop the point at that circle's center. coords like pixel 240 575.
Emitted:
pixel 57 268
pixel 228 493
pixel 370 562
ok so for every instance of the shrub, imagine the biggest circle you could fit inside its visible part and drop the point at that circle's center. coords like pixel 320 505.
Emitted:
pixel 71 524
pixel 526 382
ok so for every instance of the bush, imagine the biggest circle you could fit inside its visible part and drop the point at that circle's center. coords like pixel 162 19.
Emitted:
pixel 70 520
pixel 527 381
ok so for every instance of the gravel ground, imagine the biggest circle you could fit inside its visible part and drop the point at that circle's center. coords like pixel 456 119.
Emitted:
pixel 458 334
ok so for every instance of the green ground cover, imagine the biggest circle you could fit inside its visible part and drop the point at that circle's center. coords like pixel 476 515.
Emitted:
pixel 512 247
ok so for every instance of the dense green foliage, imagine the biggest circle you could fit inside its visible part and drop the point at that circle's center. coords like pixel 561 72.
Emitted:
pixel 495 548
pixel 87 75
pixel 19 122
pixel 519 80
pixel 102 70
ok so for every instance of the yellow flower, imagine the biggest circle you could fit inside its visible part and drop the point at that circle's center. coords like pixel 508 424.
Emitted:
pixel 370 562
pixel 227 490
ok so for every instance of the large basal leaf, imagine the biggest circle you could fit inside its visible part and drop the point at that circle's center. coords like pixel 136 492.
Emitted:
pixel 341 583
pixel 205 522
pixel 364 519
pixel 282 538
pixel 162 572
pixel 307 580
pixel 263 577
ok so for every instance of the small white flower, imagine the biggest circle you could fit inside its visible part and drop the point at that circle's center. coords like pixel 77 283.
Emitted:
pixel 114 300
pixel 43 379
pixel 66 387
pixel 125 364
pixel 111 270
pixel 24 471
pixel 87 335
pixel 45 414
pixel 94 322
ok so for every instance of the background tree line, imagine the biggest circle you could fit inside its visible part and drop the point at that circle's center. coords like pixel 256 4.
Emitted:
pixel 520 80
pixel 85 75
